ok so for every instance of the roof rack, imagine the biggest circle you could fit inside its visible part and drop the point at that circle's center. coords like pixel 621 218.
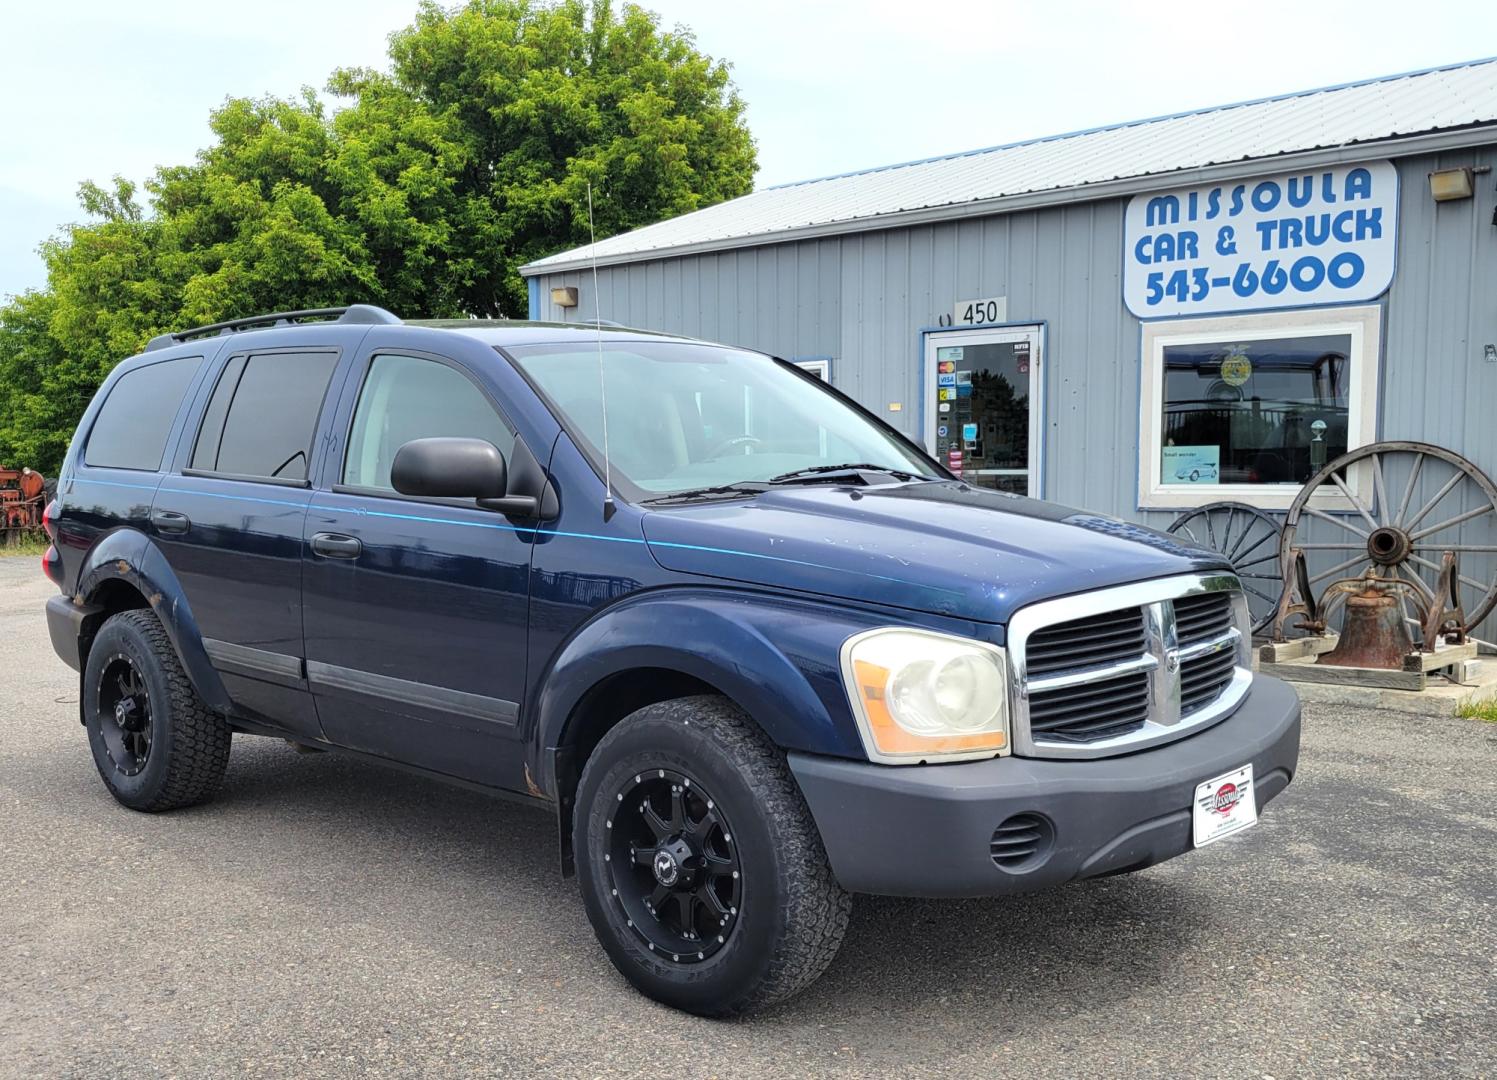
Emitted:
pixel 357 314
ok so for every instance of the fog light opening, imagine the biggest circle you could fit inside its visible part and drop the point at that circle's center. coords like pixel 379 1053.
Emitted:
pixel 1022 843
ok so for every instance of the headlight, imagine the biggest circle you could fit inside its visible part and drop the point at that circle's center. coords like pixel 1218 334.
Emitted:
pixel 919 694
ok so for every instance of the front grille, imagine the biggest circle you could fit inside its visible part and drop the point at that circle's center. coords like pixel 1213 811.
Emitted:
pixel 1203 679
pixel 1090 642
pixel 1102 672
pixel 1203 617
pixel 1088 712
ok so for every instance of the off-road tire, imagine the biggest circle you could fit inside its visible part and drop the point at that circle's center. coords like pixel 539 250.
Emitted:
pixel 794 914
pixel 189 742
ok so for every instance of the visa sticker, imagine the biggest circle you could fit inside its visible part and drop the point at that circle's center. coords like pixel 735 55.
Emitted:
pixel 946 380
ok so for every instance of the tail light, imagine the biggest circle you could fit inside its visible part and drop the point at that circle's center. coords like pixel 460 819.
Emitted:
pixel 51 558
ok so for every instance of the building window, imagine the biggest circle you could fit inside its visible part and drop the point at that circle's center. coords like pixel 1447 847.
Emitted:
pixel 820 366
pixel 1249 407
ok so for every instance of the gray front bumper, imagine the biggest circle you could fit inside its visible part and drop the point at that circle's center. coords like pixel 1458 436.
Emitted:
pixel 926 830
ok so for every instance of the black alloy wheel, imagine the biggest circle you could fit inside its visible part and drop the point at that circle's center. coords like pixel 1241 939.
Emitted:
pixel 155 742
pixel 699 863
pixel 673 867
pixel 124 715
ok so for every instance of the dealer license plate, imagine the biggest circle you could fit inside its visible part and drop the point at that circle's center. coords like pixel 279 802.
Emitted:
pixel 1224 806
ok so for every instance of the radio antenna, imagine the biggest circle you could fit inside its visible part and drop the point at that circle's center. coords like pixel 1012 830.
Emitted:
pixel 592 237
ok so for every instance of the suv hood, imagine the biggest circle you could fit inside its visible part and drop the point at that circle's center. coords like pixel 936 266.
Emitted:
pixel 941 547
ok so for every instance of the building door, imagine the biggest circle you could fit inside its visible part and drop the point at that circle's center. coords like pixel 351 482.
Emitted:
pixel 984 396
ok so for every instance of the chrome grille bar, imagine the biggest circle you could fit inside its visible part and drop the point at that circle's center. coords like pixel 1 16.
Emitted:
pixel 1188 686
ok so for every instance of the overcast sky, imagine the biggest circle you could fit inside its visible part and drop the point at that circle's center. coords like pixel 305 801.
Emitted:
pixel 90 88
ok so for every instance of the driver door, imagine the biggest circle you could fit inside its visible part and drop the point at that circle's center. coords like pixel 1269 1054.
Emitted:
pixel 416 609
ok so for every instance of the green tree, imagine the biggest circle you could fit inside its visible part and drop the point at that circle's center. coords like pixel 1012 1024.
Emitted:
pixel 424 191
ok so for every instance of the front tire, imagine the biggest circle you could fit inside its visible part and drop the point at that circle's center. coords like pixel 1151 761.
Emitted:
pixel 157 746
pixel 701 869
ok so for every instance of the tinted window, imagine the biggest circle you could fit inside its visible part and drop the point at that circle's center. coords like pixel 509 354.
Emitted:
pixel 263 414
pixel 407 398
pixel 131 429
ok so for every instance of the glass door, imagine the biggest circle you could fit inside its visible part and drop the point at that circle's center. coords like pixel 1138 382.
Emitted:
pixel 983 403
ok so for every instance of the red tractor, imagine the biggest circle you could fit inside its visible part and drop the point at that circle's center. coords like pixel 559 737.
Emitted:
pixel 23 497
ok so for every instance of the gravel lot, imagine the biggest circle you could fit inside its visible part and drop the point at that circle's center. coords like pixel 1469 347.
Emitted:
pixel 328 917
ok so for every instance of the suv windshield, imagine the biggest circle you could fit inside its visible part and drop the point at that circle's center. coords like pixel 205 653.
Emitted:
pixel 684 417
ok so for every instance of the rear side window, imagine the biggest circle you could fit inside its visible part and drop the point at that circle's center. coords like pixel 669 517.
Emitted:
pixel 263 414
pixel 407 398
pixel 131 429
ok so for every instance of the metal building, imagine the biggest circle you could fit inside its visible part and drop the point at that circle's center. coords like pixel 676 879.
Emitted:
pixel 1131 319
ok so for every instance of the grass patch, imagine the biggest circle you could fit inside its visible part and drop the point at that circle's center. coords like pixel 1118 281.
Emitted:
pixel 1478 710
pixel 26 545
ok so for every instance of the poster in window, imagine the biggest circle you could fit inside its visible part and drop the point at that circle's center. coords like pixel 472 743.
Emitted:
pixel 1192 465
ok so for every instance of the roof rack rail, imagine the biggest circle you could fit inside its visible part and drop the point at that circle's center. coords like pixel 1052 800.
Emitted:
pixel 358 314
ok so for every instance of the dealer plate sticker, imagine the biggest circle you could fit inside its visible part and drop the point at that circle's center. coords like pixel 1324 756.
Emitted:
pixel 1224 806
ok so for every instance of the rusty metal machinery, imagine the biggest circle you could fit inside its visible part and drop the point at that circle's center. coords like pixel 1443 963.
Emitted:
pixel 1392 529
pixel 22 500
pixel 1248 539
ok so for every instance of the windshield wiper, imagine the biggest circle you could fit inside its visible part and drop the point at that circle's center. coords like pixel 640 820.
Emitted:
pixel 853 467
pixel 693 494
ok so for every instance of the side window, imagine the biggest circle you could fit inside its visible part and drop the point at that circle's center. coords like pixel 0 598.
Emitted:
pixel 405 398
pixel 131 429
pixel 263 414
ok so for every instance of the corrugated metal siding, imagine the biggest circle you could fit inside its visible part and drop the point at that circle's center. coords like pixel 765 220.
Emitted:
pixel 1442 311
pixel 861 299
pixel 1423 102
pixel 782 299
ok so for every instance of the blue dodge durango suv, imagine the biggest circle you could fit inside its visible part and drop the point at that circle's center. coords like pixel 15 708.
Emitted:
pixel 777 657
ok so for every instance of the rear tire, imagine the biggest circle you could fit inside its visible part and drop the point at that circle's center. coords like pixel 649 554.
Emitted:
pixel 740 842
pixel 157 746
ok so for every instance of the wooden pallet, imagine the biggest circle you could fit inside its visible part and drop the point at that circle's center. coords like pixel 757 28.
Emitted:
pixel 1296 661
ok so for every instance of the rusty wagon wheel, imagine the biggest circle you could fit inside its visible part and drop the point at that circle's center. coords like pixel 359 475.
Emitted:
pixel 1249 539
pixel 1397 507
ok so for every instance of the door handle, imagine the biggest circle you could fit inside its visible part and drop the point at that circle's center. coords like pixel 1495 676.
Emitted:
pixel 336 545
pixel 169 521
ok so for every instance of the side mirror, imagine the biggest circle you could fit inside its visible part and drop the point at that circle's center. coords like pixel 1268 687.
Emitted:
pixel 450 468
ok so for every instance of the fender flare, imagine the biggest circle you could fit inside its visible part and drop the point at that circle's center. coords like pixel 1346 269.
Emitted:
pixel 775 657
pixel 130 556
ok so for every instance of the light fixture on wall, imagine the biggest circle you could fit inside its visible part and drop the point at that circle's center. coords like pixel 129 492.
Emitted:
pixel 1447 185
pixel 565 296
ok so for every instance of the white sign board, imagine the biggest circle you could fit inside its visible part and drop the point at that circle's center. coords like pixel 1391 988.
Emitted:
pixel 1326 236
pixel 991 309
